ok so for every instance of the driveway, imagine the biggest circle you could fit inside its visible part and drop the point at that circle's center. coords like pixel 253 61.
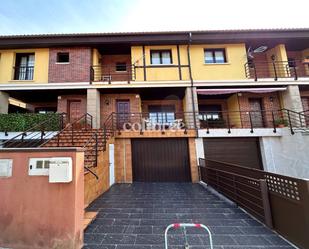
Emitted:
pixel 134 216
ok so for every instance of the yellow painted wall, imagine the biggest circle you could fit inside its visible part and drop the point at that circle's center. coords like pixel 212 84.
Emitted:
pixel 233 69
pixel 96 56
pixel 159 73
pixel 305 54
pixel 96 62
pixel 233 108
pixel 41 61
pixel 280 54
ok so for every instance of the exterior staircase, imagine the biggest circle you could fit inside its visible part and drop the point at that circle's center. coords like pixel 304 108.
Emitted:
pixel 92 140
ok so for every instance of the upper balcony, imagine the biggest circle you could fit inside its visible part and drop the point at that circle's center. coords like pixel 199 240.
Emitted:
pixel 294 69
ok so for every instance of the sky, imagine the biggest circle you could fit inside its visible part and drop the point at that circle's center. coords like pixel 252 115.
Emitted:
pixel 83 16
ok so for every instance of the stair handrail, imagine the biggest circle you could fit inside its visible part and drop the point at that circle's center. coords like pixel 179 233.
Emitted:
pixel 71 125
pixel 110 118
pixel 94 137
pixel 32 129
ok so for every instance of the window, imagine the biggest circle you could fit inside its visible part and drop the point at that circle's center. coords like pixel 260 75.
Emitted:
pixel 121 67
pixel 161 114
pixel 63 57
pixel 210 112
pixel 24 66
pixel 161 57
pixel 214 56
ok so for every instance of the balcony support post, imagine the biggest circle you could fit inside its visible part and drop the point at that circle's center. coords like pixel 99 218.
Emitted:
pixel 4 102
pixel 251 125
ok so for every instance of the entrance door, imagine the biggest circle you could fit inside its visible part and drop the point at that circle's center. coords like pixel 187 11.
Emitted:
pixel 111 165
pixel 123 110
pixel 256 112
pixel 74 107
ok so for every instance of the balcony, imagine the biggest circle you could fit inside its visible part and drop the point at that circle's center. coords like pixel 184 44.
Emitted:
pixel 112 73
pixel 252 120
pixel 209 121
pixel 276 69
pixel 150 121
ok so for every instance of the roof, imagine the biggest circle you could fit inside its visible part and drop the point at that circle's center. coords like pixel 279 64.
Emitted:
pixel 162 37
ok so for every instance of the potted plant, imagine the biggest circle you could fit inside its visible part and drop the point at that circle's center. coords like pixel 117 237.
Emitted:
pixel 280 123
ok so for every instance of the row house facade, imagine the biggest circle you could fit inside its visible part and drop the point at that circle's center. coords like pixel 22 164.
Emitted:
pixel 168 98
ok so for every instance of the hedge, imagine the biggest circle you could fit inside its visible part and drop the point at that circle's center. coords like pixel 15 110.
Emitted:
pixel 25 121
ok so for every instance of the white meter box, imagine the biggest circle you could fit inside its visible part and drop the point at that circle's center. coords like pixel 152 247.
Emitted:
pixel 6 166
pixel 60 169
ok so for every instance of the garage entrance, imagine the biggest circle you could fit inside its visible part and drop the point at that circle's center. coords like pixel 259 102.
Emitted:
pixel 161 160
pixel 242 151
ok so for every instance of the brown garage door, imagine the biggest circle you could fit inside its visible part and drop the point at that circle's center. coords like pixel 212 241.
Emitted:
pixel 160 160
pixel 242 151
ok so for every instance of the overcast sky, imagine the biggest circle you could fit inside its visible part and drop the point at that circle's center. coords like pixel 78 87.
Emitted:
pixel 78 16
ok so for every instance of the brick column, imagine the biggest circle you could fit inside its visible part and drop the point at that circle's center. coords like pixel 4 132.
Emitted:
pixel 291 99
pixel 4 102
pixel 93 106
pixel 188 107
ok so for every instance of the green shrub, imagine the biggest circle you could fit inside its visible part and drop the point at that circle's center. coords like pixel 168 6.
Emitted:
pixel 25 121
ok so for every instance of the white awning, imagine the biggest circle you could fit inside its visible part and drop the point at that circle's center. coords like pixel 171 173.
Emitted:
pixel 237 90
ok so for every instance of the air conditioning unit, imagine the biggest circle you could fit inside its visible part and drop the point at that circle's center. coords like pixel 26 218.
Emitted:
pixel 60 170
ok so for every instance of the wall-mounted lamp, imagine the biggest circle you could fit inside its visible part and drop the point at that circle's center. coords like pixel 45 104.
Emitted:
pixel 106 101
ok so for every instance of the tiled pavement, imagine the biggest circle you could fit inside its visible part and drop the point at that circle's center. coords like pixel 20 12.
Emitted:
pixel 134 216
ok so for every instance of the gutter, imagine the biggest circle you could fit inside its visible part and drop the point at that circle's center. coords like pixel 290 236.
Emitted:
pixel 191 80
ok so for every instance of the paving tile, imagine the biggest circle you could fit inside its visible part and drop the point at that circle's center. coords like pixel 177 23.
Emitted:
pixel 252 240
pixel 149 239
pixel 109 229
pixel 134 216
pixel 93 238
pixel 138 230
pixel 111 239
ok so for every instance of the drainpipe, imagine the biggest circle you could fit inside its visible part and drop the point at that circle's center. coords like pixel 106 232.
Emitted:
pixel 191 79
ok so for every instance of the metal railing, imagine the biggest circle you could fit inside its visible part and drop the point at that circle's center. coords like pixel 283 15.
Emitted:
pixel 229 120
pixel 155 121
pixel 252 120
pixel 23 73
pixel 84 122
pixel 92 151
pixel 36 135
pixel 281 202
pixel 276 69
pixel 110 73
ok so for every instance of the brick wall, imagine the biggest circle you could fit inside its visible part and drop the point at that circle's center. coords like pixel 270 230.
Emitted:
pixel 63 100
pixel 109 66
pixel 297 56
pixel 269 101
pixel 77 70
pixel 261 66
pixel 95 187
pixel 123 161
